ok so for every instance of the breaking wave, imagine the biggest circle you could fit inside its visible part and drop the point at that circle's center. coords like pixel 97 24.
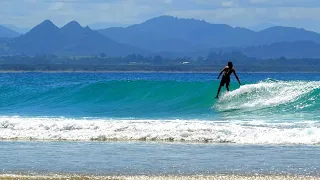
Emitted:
pixel 239 132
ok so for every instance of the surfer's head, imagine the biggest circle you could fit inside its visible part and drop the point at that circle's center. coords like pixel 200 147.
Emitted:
pixel 230 64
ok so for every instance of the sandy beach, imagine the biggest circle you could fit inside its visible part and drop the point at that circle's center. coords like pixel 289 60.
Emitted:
pixel 213 177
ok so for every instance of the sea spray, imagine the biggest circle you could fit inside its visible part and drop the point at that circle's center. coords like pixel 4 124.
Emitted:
pixel 284 95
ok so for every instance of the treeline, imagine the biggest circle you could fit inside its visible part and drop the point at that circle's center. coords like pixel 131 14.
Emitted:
pixel 91 60
pixel 214 61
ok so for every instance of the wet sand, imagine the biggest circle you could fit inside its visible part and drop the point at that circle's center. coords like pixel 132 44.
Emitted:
pixel 211 177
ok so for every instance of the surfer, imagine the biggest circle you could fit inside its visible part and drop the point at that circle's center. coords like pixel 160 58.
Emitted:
pixel 228 70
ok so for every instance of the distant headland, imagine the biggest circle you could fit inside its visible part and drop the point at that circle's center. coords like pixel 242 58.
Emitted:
pixel 163 43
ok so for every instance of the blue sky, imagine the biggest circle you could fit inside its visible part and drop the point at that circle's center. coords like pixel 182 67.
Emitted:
pixel 244 13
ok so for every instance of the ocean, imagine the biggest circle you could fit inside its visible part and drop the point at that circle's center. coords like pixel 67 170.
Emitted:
pixel 157 124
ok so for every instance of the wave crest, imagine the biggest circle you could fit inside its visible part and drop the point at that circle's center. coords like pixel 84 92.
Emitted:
pixel 284 95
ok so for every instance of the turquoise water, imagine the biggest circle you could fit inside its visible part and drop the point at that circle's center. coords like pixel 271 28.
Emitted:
pixel 160 107
pixel 159 123
pixel 160 96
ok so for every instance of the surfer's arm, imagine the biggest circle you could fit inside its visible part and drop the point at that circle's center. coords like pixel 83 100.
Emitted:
pixel 235 74
pixel 221 73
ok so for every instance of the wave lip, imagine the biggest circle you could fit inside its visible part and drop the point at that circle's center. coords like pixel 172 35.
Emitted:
pixel 17 128
pixel 286 95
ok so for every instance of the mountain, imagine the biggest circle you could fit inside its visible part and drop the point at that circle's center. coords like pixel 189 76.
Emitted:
pixel 261 26
pixel 298 49
pixel 4 40
pixel 97 26
pixel 165 36
pixel 87 41
pixel 20 30
pixel 43 39
pixel 7 33
pixel 71 39
pixel 170 34
pixel 286 34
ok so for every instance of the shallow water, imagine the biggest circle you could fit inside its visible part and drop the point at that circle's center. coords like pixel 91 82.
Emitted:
pixel 130 158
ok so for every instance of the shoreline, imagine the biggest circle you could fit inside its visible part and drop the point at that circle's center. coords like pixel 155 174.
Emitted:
pixel 147 72
pixel 161 177
pixel 150 161
pixel 157 142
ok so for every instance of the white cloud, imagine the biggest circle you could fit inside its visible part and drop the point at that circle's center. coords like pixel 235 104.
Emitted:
pixel 30 1
pixel 168 1
pixel 245 13
pixel 262 3
pixel 258 1
pixel 228 4
pixel 56 6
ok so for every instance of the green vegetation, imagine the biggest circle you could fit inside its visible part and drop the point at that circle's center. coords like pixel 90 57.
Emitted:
pixel 136 62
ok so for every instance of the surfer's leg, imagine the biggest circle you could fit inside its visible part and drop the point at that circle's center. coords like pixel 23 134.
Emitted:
pixel 222 82
pixel 218 91
pixel 227 86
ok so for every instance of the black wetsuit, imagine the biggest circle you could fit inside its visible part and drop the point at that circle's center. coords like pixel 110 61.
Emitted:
pixel 226 77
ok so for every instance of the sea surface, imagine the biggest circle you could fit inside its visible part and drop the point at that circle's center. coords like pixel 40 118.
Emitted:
pixel 159 124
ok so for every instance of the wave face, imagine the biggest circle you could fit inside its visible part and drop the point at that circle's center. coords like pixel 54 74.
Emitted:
pixel 140 98
pixel 148 98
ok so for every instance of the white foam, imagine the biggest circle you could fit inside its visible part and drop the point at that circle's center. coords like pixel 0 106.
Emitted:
pixel 267 94
pixel 255 132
